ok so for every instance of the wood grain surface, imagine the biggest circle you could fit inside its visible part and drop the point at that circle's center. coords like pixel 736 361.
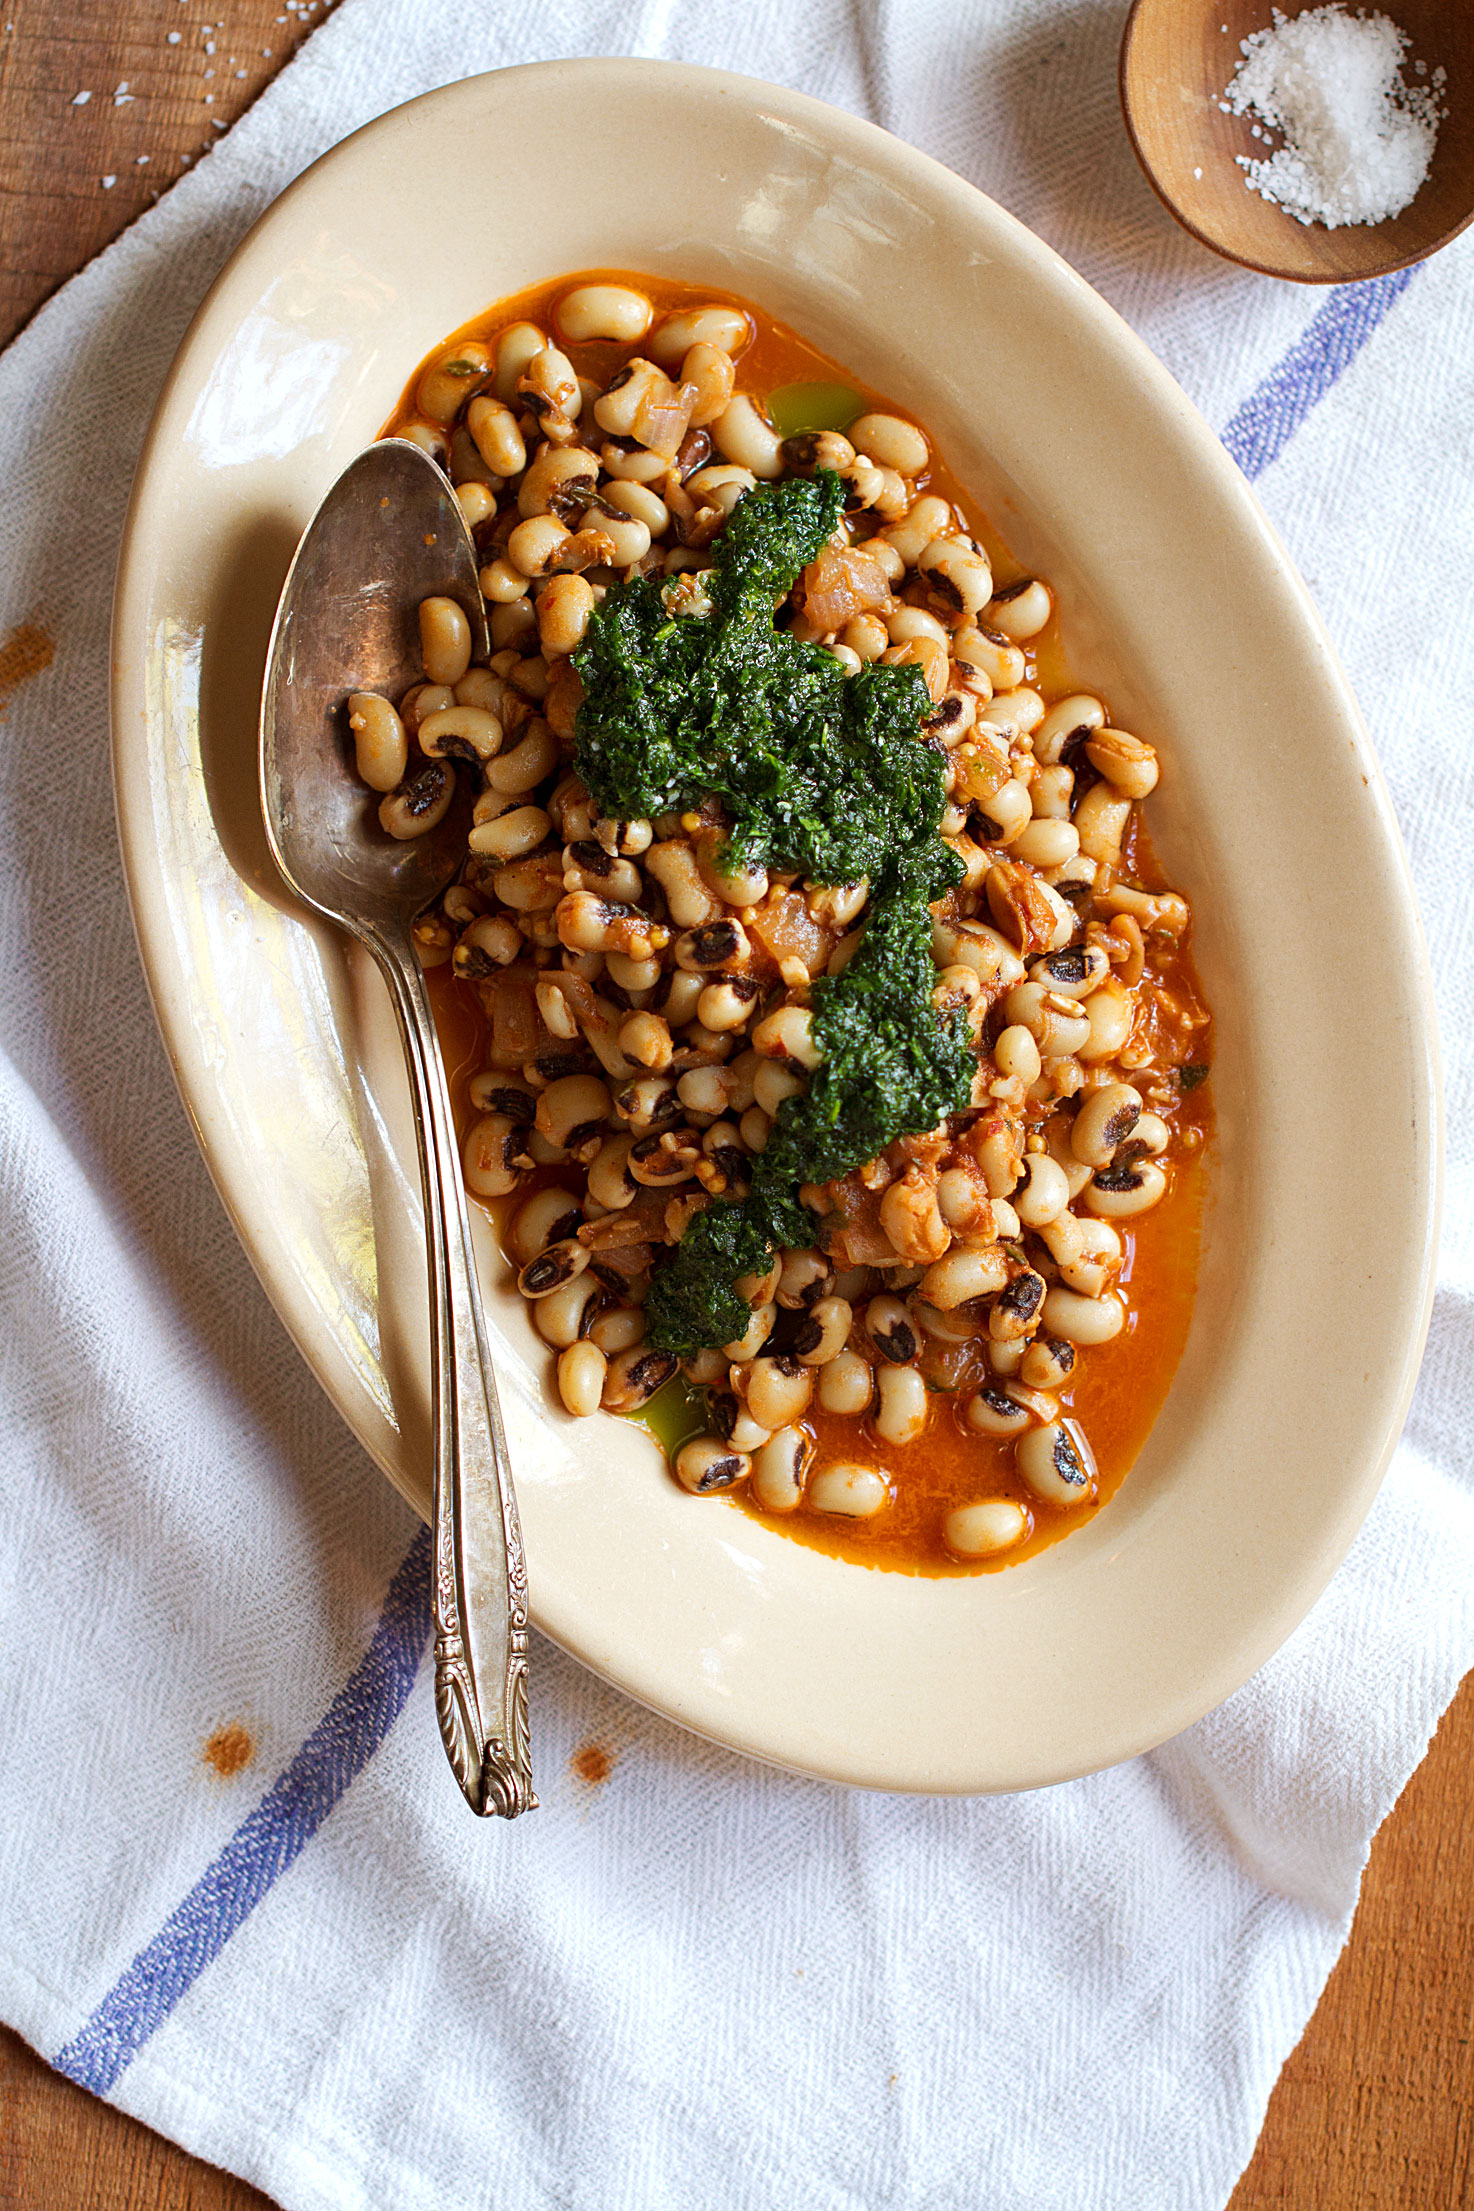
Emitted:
pixel 1375 2109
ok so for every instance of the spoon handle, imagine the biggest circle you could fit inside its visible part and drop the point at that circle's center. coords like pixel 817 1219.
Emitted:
pixel 480 1577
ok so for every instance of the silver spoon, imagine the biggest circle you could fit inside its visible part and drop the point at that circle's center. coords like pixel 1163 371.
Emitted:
pixel 389 534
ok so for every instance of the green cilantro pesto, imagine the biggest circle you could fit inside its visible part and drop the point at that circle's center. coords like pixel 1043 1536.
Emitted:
pixel 818 772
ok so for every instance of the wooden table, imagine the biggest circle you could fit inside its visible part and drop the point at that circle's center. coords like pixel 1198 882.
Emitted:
pixel 1375 2109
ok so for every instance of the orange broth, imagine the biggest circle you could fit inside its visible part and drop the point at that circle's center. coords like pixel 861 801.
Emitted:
pixel 1118 1388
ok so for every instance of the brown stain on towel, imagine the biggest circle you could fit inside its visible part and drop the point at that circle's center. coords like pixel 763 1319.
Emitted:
pixel 23 654
pixel 229 1750
pixel 593 1764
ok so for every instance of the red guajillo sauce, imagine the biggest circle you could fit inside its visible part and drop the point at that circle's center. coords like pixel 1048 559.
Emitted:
pixel 1117 1389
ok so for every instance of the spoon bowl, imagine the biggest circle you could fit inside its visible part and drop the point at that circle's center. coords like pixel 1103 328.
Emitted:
pixel 389 534
pixel 1177 58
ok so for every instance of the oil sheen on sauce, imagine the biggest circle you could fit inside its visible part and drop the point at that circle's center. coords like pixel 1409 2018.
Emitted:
pixel 1118 1388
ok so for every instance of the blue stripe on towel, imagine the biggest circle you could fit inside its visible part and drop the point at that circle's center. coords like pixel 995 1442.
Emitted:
pixel 363 1712
pixel 260 1851
pixel 1263 426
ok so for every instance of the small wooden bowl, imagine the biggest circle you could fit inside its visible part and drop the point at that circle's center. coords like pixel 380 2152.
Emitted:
pixel 1177 57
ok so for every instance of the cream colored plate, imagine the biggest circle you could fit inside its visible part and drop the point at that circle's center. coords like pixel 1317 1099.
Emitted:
pixel 1272 816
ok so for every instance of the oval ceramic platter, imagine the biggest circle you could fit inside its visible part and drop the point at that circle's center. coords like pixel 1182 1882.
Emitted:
pixel 1316 1277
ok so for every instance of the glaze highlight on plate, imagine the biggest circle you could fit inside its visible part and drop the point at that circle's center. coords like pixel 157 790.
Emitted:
pixel 840 1040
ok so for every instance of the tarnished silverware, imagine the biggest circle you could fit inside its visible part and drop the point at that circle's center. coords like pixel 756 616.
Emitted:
pixel 389 534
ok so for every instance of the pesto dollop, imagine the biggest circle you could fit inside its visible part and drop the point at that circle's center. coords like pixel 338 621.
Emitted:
pixel 818 772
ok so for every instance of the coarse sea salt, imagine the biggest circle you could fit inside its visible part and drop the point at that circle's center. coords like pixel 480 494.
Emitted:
pixel 1357 139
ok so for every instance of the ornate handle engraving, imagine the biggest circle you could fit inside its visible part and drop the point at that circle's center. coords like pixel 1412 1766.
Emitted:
pixel 480 1573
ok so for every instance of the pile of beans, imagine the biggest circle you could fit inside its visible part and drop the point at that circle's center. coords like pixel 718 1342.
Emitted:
pixel 648 1013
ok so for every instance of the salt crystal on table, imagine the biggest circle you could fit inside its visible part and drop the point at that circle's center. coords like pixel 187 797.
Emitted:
pixel 1358 140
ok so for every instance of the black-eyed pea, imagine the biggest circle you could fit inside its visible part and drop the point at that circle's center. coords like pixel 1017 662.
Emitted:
pixel 673 864
pixel 1020 610
pixel 1108 1116
pixel 961 576
pixel 1083 1321
pixel 804 1276
pixel 496 435
pixel 564 606
pixel 459 732
pixel 553 1269
pixel 986 660
pixel 445 639
pixel 976 944
pixel 1051 794
pixel 422 700
pixel 846 1384
pixel 1010 715
pixel 1120 1192
pixel 743 1349
pixel 1100 818
pixel 646 1038
pixel 773 1083
pixel 852 1491
pixel 1125 762
pixel 1004 816
pixel 1110 1011
pixel 1047 1364
pixel 674 335
pixel 443 387
pixel 516 346
pixel 743 433
pixel 910 623
pixel 967 1271
pixel 573 1112
pixel 1044 1193
pixel 666 1157
pixel 1045 843
pixel 610 1182
pixel 707 1464
pixel 1069 721
pixel 640 503
pixel 634 1377
pixel 636 465
pixel 582 1370
pixel 991 1411
pixel 787 1034
pixel 778 1468
pixel 927 517
pixel 1056 1464
pixel 494 1155
pixel 418 804
pixel 778 1390
pixel 755 1125
pixel 891 1328
pixel 705 1091
pixel 1016 1055
pixel 618 1329
pixel 823 1332
pixel 613 311
pixel 911 1218
pixel 380 743
pixel 510 836
pixel 1006 1359
pixel 865 636
pixel 709 368
pixel 631 975
pixel 562 1317
pixel 1151 1134
pixel 530 886
pixel 706 1370
pixel 903 1404
pixel 986 1529
pixel 547 1217
pixel 588 867
pixel 1015 1313
pixel 1058 1025
pixel 647 1103
pixel 728 1003
pixel 535 545
pixel 734 1423
pixel 477 503
pixel 892 441
pixel 501 583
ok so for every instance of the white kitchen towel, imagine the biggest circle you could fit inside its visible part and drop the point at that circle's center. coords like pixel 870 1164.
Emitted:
pixel 693 1982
